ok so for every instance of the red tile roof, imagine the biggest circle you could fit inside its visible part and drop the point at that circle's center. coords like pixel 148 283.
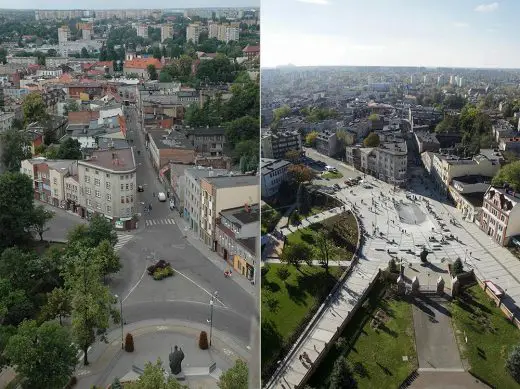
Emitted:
pixel 251 49
pixel 142 63
pixel 83 117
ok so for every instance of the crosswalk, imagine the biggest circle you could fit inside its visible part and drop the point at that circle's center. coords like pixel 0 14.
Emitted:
pixel 150 223
pixel 122 239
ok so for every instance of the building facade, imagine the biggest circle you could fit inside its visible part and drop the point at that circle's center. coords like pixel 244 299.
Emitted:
pixel 500 217
pixel 275 146
pixel 273 172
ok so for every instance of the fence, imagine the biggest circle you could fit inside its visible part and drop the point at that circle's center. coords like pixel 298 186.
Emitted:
pixel 500 302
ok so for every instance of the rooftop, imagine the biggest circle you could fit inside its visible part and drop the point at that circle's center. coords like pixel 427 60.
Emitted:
pixel 249 244
pixel 267 165
pixel 232 181
pixel 242 215
pixel 206 131
pixel 174 140
pixel 116 160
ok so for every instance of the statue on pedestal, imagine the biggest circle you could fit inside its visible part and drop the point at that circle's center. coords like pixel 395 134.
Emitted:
pixel 176 357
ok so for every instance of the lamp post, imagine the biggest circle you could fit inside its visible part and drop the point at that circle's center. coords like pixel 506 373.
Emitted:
pixel 121 318
pixel 210 320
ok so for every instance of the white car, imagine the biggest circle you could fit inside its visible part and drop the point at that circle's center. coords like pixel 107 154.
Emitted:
pixel 161 196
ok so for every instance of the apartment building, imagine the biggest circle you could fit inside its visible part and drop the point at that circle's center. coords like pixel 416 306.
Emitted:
pixel 192 193
pixel 108 186
pixel 388 161
pixel 63 34
pixel 169 147
pixel 236 236
pixel 276 145
pixel 142 30
pixel 500 217
pixel 139 66
pixel 48 177
pixel 444 168
pixel 225 192
pixel 503 129
pixel 6 121
pixel 273 172
pixel 193 32
pixel 166 32
pixel 327 143
pixel 224 32
pixel 468 194
pixel 207 141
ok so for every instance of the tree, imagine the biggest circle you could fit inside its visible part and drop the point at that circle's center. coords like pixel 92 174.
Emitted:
pixel 15 305
pixel 106 258
pixel 16 208
pixel 310 138
pixel 116 384
pixel 22 269
pixel 235 377
pixel 71 106
pixel 91 235
pixel 341 376
pixel 296 253
pixel 373 117
pixel 58 305
pixel 372 140
pixel 292 156
pixel 44 355
pixel 5 334
pixel 15 149
pixel 153 378
pixel 84 52
pixel 303 199
pixel 300 173
pixel 508 174
pixel 34 109
pixel 281 112
pixel 152 72
pixel 164 76
pixel 203 340
pixel 326 249
pixel 513 363
pixel 70 149
pixel 243 163
pixel 244 128
pixel 91 300
pixel 129 343
pixel 457 267
pixel 40 218
pixel 283 273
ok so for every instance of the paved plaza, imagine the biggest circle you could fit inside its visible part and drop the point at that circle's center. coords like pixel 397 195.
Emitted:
pixel 399 224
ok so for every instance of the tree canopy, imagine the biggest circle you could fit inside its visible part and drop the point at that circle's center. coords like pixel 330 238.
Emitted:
pixel 508 174
pixel 69 149
pixel 372 140
pixel 153 378
pixel 15 149
pixel 34 109
pixel 44 355
pixel 235 377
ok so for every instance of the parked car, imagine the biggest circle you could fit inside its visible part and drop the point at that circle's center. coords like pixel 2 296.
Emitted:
pixel 161 196
pixel 161 264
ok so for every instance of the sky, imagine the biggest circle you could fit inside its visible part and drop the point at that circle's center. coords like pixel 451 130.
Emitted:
pixel 431 33
pixel 118 4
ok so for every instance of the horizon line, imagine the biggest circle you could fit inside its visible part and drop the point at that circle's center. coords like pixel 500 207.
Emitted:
pixel 390 66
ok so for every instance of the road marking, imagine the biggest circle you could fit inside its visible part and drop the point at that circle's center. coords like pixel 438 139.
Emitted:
pixel 136 284
pixel 149 223
pixel 189 279
pixel 122 239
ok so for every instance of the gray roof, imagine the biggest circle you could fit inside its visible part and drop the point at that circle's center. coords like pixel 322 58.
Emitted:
pixel 205 172
pixel 267 165
pixel 107 143
pixel 117 160
pixel 174 140
pixel 204 131
pixel 249 243
pixel 232 181
pixel 240 216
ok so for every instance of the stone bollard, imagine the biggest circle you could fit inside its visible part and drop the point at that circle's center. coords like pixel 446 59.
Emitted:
pixel 455 287
pixel 401 285
pixel 415 286
pixel 440 286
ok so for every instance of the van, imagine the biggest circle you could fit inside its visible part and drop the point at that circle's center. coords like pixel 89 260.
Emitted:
pixel 161 196
pixel 330 169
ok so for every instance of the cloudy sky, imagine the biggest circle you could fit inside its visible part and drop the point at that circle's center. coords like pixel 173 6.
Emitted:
pixel 104 4
pixel 458 33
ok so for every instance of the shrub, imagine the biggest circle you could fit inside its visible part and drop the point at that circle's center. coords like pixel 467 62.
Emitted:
pixel 265 269
pixel 203 340
pixel 392 266
pixel 129 343
pixel 513 363
pixel 159 274
pixel 457 267
pixel 116 384
pixel 283 273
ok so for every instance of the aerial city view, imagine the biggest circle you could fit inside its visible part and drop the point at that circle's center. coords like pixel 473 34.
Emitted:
pixel 390 181
pixel 129 199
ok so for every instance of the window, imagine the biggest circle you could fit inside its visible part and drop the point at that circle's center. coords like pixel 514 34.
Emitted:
pixel 87 179
pixel 55 192
pixel 121 177
pixel 109 197
pixel 97 181
pixel 131 199
pixel 108 175
pixel 55 181
pixel 89 203
pixel 122 199
pixel 98 205
pixel 122 187
pixel 132 186
pixel 86 169
pixel 98 194
pixel 126 186
pixel 109 209
pixel 96 171
pixel 108 185
pixel 88 191
pixel 127 199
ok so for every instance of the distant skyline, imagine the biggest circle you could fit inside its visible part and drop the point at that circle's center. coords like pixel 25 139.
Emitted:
pixel 127 4
pixel 442 33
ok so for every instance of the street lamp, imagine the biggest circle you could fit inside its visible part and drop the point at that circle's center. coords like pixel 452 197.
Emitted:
pixel 210 320
pixel 121 318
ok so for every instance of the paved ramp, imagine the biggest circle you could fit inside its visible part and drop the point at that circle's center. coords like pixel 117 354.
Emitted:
pixel 447 380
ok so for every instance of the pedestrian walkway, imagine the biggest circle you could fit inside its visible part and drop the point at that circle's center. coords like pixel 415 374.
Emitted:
pixel 160 222
pixel 122 239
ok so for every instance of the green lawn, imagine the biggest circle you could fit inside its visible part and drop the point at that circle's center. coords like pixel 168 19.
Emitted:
pixel 289 305
pixel 270 218
pixel 332 175
pixel 375 354
pixel 490 336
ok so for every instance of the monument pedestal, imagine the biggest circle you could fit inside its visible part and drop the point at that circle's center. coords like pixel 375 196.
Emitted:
pixel 179 377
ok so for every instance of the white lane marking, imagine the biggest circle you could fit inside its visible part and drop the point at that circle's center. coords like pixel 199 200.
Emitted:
pixel 136 284
pixel 208 293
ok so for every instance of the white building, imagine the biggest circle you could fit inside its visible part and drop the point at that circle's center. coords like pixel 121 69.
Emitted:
pixel 273 173
pixel 166 32
pixel 142 30
pixel 500 217
pixel 193 33
pixel 63 34
pixel 52 73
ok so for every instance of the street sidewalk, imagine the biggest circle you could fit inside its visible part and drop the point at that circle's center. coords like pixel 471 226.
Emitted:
pixel 213 257
pixel 6 376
